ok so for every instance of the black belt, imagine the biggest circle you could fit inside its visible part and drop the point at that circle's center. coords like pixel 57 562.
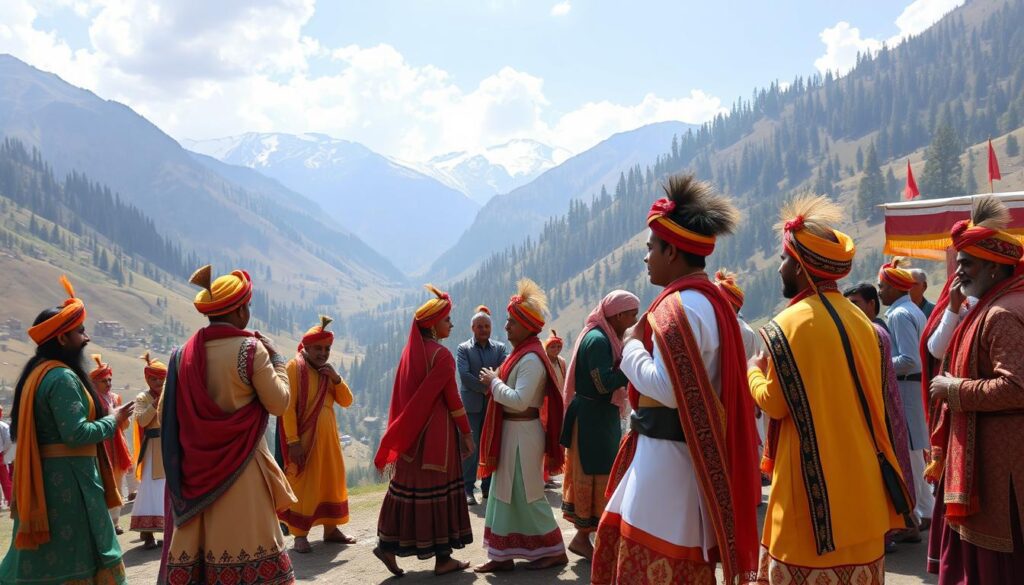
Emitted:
pixel 146 436
pixel 658 422
pixel 909 378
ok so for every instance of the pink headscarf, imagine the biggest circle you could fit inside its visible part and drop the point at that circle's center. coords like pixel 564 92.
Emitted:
pixel 615 302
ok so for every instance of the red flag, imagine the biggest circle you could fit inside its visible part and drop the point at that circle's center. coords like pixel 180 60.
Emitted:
pixel 993 164
pixel 911 191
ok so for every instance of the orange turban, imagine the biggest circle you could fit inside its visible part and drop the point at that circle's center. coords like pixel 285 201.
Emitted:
pixel 102 370
pixel 528 305
pixel 554 339
pixel 223 295
pixel 726 282
pixel 482 309
pixel 673 233
pixel 318 333
pixel 823 258
pixel 435 310
pixel 986 243
pixel 70 317
pixel 896 275
pixel 154 368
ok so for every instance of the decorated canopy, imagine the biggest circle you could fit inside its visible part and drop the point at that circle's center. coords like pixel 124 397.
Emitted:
pixel 920 228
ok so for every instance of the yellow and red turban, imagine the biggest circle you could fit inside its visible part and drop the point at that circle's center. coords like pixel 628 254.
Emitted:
pixel 669 231
pixel 986 243
pixel 102 370
pixel 223 295
pixel 553 339
pixel 726 282
pixel 435 310
pixel 318 333
pixel 821 257
pixel 896 275
pixel 528 305
pixel 154 368
pixel 70 317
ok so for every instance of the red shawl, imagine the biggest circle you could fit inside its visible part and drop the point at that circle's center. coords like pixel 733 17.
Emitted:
pixel 205 449
pixel 306 421
pixel 720 433
pixel 550 414
pixel 118 453
pixel 417 405
pixel 953 433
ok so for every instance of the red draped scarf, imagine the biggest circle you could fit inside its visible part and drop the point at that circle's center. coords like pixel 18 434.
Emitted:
pixel 550 414
pixel 720 432
pixel 305 420
pixel 417 408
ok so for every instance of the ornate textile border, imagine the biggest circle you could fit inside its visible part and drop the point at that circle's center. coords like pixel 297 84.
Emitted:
pixel 800 412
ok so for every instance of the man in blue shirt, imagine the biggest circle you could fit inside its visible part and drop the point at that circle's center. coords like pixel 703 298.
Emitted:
pixel 906 324
pixel 474 354
pixel 917 293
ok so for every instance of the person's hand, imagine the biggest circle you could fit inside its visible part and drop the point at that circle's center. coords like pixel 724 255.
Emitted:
pixel 938 390
pixel 329 371
pixel 956 295
pixel 759 360
pixel 123 413
pixel 632 333
pixel 488 375
pixel 267 343
pixel 295 454
pixel 468 447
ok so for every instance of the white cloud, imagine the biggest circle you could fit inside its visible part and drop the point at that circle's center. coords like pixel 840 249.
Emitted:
pixel 843 41
pixel 561 9
pixel 203 69
pixel 842 45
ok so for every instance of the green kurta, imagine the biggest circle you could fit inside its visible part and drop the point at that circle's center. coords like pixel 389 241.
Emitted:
pixel 83 547
pixel 596 377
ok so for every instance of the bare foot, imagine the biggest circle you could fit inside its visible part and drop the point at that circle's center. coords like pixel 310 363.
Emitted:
pixel 301 545
pixel 450 566
pixel 580 545
pixel 548 562
pixel 150 544
pixel 495 567
pixel 339 537
pixel 389 561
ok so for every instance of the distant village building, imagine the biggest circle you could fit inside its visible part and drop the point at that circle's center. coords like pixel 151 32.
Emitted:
pixel 109 329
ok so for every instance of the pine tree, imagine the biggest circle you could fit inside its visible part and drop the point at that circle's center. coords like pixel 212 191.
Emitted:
pixel 871 192
pixel 1012 147
pixel 942 169
pixel 970 183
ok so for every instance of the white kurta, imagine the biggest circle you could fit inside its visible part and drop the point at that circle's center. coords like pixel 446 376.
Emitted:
pixel 523 389
pixel 659 493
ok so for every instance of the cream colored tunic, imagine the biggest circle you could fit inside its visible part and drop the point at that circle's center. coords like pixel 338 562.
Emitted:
pixel 242 521
pixel 523 389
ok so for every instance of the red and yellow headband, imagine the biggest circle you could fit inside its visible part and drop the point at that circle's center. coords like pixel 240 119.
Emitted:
pixel 524 315
pixel 554 339
pixel 102 370
pixel 727 284
pixel 435 310
pixel 673 233
pixel 318 333
pixel 70 317
pixel 154 368
pixel 821 257
pixel 223 295
pixel 986 243
pixel 897 277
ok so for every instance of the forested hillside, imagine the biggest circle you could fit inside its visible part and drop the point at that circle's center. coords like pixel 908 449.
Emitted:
pixel 930 98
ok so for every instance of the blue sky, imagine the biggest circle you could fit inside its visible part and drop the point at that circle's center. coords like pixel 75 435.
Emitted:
pixel 416 78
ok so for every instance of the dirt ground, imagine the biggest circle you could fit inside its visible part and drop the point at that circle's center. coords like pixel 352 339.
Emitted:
pixel 331 563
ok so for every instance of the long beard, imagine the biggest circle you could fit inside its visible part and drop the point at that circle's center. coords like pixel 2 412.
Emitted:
pixel 74 356
pixel 789 289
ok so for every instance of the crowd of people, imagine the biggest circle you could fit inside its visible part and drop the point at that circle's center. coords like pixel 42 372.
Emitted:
pixel 868 431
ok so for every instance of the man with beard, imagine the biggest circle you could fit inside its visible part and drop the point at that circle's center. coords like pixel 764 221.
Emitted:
pixel 63 483
pixel 835 474
pixel 224 487
pixel 313 461
pixel 102 377
pixel 685 480
pixel 148 510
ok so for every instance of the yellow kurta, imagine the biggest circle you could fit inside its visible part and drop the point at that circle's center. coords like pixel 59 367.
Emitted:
pixel 806 351
pixel 146 419
pixel 320 486
pixel 240 529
